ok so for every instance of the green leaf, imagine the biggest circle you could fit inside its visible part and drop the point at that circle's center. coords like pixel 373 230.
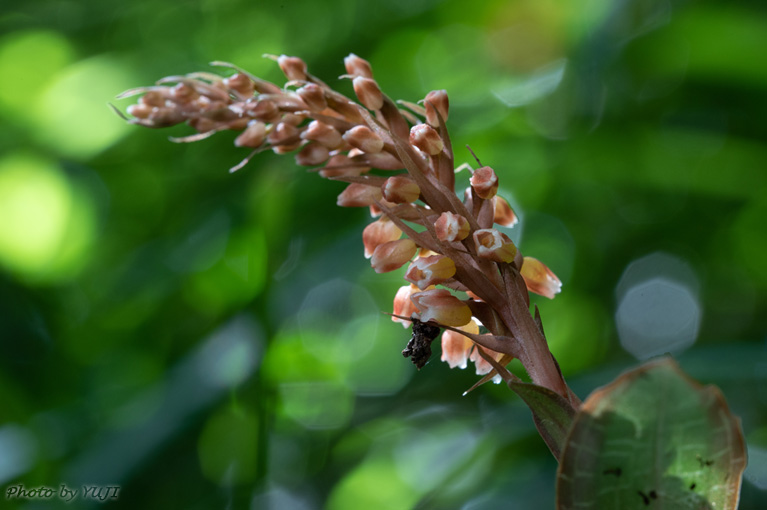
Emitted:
pixel 551 412
pixel 653 438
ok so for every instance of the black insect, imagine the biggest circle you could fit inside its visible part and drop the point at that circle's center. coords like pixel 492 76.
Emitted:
pixel 613 471
pixel 418 349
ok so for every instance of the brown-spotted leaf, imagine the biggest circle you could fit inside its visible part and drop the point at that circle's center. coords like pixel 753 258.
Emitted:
pixel 652 439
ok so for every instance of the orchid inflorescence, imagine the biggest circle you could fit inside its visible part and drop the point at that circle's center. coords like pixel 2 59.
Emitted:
pixel 398 160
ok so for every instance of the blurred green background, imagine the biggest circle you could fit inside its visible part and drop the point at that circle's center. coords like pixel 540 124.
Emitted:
pixel 206 340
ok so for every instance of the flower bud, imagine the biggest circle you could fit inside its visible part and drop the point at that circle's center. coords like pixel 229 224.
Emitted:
pixel 426 138
pixel 400 189
pixel 483 366
pixel 323 133
pixel 140 110
pixel 253 136
pixel 403 305
pixel 241 84
pixel 456 347
pixel 494 245
pixel 485 182
pixel 281 133
pixel 441 306
pixel 503 213
pixel 436 99
pixel 155 97
pixel 293 67
pixel 364 139
pixel 341 164
pixel 451 227
pixel 263 110
pixel 314 97
pixel 392 255
pixel 383 160
pixel 183 93
pixel 359 195
pixel 379 232
pixel 539 278
pixel 312 154
pixel 433 270
pixel 357 66
pixel 368 92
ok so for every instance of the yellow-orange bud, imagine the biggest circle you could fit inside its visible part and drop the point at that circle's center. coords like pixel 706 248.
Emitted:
pixel 494 245
pixel 539 278
pixel 451 227
pixel 503 213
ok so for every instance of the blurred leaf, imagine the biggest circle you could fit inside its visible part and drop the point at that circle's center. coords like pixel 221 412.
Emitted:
pixel 521 91
pixel 653 436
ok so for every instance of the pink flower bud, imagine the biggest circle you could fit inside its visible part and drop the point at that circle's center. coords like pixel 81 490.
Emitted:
pixel 503 213
pixel 263 110
pixel 282 133
pixel 383 160
pixel 485 182
pixel 323 133
pixel 427 139
pixel 314 97
pixel 155 97
pixel 140 110
pixel 377 233
pixel 341 164
pixel 312 154
pixel 451 227
pixel 539 278
pixel 433 270
pixel 494 245
pixel 400 189
pixel 241 84
pixel 436 99
pixel 364 139
pixel 368 92
pixel 357 66
pixel 456 347
pixel 392 255
pixel 483 366
pixel 293 67
pixel 359 195
pixel 441 306
pixel 253 136
pixel 183 93
pixel 403 305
